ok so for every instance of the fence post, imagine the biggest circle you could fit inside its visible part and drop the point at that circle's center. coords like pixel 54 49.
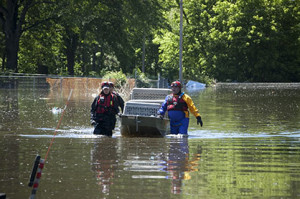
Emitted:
pixel 135 76
pixel 158 80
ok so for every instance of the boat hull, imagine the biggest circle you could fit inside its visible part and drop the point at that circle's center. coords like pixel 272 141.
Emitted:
pixel 143 126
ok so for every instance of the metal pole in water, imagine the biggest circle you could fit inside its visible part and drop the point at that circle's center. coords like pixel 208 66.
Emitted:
pixel 158 80
pixel 180 43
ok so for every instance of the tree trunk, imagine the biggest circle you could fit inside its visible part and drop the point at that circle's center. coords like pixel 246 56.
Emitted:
pixel 71 45
pixel 101 60
pixel 70 60
pixel 12 48
pixel 12 33
pixel 94 61
pixel 84 57
pixel 3 60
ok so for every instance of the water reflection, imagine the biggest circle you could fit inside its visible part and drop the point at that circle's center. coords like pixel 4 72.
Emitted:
pixel 250 110
pixel 168 159
pixel 104 163
pixel 9 107
pixel 180 164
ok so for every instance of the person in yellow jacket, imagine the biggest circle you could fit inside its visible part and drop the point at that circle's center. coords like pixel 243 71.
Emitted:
pixel 178 104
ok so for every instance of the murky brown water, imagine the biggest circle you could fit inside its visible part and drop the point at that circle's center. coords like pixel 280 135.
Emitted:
pixel 249 147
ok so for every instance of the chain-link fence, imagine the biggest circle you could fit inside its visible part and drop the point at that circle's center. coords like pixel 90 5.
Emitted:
pixel 59 82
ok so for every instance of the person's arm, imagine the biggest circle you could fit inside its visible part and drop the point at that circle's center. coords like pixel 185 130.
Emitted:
pixel 163 107
pixel 121 102
pixel 93 110
pixel 192 108
pixel 115 104
pixel 188 100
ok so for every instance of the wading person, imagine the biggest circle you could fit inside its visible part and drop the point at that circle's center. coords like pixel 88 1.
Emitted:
pixel 119 98
pixel 178 104
pixel 103 111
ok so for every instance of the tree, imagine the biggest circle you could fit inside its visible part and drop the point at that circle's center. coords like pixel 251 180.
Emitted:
pixel 12 23
pixel 168 41
pixel 15 21
pixel 255 40
pixel 2 48
pixel 235 40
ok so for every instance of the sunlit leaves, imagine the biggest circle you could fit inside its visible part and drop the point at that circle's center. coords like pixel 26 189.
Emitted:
pixel 243 37
pixel 239 40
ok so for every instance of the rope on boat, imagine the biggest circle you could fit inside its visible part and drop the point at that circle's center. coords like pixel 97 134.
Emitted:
pixel 40 163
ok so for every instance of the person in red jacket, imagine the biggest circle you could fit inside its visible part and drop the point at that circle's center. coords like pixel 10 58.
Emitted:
pixel 178 104
pixel 103 111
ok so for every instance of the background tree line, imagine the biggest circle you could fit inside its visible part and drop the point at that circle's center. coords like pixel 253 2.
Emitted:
pixel 236 40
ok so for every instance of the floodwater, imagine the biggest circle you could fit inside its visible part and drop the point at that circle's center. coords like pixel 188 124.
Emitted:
pixel 249 147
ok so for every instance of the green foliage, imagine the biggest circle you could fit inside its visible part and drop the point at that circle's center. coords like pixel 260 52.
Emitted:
pixel 2 49
pixel 93 74
pixel 224 40
pixel 142 81
pixel 118 76
pixel 63 72
pixel 41 48
pixel 250 41
pixel 237 40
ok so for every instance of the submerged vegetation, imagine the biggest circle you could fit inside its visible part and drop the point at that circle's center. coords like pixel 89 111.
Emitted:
pixel 223 40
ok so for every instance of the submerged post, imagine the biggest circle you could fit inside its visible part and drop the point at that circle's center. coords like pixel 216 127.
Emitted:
pixel 34 169
pixel 38 175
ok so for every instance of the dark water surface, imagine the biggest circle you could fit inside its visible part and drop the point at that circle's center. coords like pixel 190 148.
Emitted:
pixel 249 147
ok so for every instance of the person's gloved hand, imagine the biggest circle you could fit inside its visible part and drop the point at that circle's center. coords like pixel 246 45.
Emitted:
pixel 120 114
pixel 160 115
pixel 199 121
pixel 93 122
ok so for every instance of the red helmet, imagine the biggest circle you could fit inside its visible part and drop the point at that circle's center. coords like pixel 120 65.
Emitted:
pixel 176 84
pixel 104 84
pixel 111 84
